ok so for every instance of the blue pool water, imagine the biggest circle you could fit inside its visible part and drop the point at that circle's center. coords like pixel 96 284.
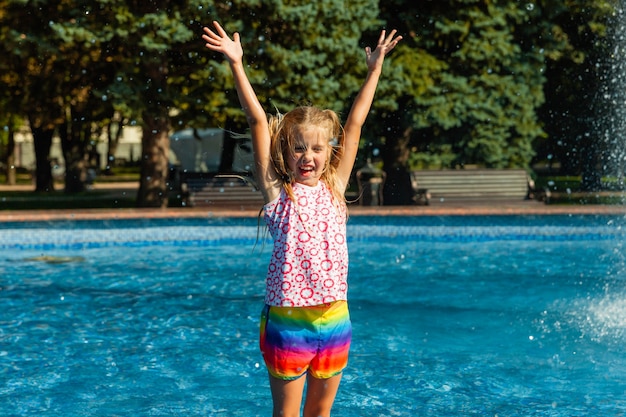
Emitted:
pixel 452 316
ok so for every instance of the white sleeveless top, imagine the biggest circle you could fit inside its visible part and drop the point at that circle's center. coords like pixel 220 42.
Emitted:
pixel 309 264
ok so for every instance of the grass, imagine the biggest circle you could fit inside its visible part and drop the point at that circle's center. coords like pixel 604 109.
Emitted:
pixel 90 199
pixel 56 200
pixel 567 190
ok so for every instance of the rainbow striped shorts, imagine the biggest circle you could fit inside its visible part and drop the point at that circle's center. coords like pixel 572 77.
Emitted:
pixel 299 340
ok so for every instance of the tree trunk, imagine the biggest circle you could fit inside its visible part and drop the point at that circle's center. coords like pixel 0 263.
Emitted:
pixel 73 146
pixel 398 190
pixel 10 158
pixel 155 144
pixel 114 132
pixel 591 175
pixel 228 147
pixel 42 140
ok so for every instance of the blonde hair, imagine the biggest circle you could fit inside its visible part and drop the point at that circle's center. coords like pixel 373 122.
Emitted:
pixel 284 131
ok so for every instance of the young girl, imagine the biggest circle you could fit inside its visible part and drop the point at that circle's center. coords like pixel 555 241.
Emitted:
pixel 303 162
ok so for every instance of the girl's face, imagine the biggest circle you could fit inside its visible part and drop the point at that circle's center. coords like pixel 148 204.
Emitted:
pixel 310 156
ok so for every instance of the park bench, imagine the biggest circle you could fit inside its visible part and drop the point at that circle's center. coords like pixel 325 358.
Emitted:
pixel 229 190
pixel 470 184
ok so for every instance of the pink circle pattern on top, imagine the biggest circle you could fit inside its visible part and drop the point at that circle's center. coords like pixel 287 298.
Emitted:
pixel 309 264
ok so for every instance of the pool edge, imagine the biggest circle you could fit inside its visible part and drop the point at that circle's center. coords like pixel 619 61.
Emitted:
pixel 458 209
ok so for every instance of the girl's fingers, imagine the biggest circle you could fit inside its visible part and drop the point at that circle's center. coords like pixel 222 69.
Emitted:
pixel 210 35
pixel 207 32
pixel 221 33
pixel 388 42
pixel 211 40
pixel 220 29
pixel 381 38
pixel 391 35
pixel 216 40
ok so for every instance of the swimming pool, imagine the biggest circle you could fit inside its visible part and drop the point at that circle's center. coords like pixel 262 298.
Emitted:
pixel 452 316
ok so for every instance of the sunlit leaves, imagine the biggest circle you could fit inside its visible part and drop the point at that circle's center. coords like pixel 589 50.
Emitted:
pixel 474 84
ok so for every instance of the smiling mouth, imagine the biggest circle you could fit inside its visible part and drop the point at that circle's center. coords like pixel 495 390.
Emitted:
pixel 306 170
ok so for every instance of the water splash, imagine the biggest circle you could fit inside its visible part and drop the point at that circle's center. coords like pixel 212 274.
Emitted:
pixel 606 318
pixel 613 92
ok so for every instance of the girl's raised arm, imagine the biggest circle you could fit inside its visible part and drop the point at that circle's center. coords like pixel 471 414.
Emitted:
pixel 219 41
pixel 363 102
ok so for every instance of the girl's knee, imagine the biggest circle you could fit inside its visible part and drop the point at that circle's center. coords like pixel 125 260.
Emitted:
pixel 320 396
pixel 316 411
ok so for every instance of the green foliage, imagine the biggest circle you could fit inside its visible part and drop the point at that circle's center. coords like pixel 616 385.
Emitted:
pixel 487 82
pixel 473 88
pixel 578 46
pixel 296 53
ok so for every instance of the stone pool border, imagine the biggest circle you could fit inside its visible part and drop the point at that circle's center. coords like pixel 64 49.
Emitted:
pixel 439 209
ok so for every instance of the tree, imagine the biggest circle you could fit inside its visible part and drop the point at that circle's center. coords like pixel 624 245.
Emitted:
pixel 297 53
pixel 472 89
pixel 7 140
pixel 575 37
pixel 146 62
pixel 58 65
pixel 494 82
pixel 33 83
pixel 89 68
pixel 146 39
pixel 81 64
pixel 9 99
pixel 464 87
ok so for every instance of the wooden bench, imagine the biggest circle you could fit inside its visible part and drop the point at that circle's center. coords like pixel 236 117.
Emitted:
pixel 470 184
pixel 232 190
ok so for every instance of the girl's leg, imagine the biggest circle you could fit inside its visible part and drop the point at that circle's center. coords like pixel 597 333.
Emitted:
pixel 320 396
pixel 287 396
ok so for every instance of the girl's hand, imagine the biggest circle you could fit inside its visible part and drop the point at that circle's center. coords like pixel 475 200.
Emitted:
pixel 385 45
pixel 220 42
